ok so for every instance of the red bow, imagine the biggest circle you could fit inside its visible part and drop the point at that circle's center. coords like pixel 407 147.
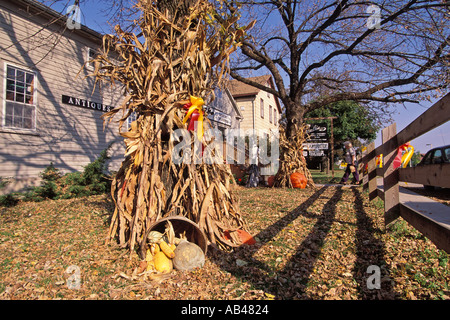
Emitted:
pixel 398 159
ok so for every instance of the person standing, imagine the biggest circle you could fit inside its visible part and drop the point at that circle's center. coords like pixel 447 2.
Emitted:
pixel 350 158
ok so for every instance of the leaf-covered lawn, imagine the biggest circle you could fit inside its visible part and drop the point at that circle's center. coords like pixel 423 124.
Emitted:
pixel 311 244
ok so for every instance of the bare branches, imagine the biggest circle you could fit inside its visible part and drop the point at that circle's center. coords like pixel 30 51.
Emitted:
pixel 327 44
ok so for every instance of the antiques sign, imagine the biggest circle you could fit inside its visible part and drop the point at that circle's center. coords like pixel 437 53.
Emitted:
pixel 315 146
pixel 83 103
pixel 218 116
pixel 317 132
pixel 316 153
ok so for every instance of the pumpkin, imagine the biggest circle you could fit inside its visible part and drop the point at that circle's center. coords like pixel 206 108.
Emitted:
pixel 188 256
pixel 270 181
pixel 246 237
pixel 243 235
pixel 162 262
pixel 298 180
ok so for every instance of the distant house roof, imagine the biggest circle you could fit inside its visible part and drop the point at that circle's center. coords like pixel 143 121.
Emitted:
pixel 239 89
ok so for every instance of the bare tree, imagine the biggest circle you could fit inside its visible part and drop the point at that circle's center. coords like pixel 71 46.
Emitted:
pixel 320 52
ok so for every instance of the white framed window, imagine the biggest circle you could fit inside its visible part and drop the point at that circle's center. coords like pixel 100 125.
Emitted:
pixel 275 116
pixel 90 55
pixel 19 108
pixel 262 108
pixel 270 114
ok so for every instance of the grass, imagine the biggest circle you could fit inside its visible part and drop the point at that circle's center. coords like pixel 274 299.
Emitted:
pixel 311 244
pixel 323 178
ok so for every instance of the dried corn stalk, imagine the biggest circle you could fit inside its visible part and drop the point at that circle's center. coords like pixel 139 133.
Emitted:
pixel 291 158
pixel 159 68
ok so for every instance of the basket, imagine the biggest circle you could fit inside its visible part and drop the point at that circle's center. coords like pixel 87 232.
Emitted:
pixel 180 224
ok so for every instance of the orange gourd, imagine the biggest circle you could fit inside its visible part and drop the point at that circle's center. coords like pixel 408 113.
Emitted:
pixel 299 180
pixel 243 235
pixel 246 237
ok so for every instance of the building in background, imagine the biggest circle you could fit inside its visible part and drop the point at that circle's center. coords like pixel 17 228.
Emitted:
pixel 50 111
pixel 260 110
pixel 223 111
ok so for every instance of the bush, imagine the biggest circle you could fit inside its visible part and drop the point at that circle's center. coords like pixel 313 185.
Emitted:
pixel 8 200
pixel 91 181
pixel 51 173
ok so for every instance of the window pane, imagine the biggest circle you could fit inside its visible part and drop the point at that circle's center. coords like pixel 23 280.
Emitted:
pixel 20 97
pixel 9 110
pixel 29 89
pixel 10 73
pixel 17 122
pixel 18 110
pixel 8 121
pixel 28 112
pixel 29 99
pixel 20 75
pixel 270 114
pixel 427 158
pixel 262 108
pixel 10 85
pixel 447 154
pixel 30 78
pixel 28 123
pixel 20 87
pixel 437 157
pixel 10 95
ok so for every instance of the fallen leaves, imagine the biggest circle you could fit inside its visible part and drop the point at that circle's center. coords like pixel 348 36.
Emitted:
pixel 308 247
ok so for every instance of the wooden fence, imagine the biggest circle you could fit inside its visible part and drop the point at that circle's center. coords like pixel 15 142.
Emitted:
pixel 431 220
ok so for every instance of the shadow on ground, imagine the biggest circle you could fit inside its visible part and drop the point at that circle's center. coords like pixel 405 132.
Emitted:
pixel 291 281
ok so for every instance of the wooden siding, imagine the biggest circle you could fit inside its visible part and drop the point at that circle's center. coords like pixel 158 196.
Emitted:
pixel 68 136
pixel 252 104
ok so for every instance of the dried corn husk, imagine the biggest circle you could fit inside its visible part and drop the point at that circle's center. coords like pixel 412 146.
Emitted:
pixel 291 158
pixel 159 67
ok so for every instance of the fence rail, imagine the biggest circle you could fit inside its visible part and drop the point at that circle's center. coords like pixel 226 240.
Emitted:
pixel 430 218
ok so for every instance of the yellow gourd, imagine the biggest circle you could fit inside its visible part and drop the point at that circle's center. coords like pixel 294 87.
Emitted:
pixel 154 248
pixel 148 256
pixel 162 262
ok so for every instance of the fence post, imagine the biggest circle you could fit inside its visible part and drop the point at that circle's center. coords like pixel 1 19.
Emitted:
pixel 364 175
pixel 372 171
pixel 390 176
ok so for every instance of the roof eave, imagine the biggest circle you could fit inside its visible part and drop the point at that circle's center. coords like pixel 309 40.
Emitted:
pixel 62 19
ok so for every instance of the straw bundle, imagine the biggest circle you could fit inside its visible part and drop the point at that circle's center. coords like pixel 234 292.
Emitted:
pixel 160 67
pixel 291 158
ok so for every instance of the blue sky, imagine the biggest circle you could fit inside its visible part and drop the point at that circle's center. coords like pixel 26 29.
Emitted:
pixel 436 137
pixel 92 16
